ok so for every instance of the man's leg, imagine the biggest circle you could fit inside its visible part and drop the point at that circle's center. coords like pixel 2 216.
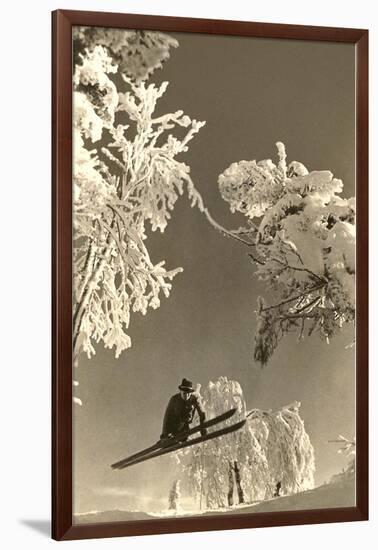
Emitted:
pixel 184 427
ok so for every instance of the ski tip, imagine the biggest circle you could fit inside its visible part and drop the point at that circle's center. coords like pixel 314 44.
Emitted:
pixel 117 465
pixel 241 423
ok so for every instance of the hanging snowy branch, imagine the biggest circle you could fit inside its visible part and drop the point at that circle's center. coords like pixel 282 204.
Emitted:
pixel 301 236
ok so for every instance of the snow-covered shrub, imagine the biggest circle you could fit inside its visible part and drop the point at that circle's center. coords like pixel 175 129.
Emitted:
pixel 287 446
pixel 272 447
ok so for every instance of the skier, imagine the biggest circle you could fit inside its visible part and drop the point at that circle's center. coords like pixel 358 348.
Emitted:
pixel 180 411
pixel 179 414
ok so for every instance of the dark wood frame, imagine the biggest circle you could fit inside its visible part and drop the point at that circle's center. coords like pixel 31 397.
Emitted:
pixel 62 22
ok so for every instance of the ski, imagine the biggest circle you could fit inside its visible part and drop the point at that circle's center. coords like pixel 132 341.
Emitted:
pixel 184 444
pixel 161 444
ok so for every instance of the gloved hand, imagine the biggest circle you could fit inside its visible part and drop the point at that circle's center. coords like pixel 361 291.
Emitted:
pixel 166 436
pixel 166 439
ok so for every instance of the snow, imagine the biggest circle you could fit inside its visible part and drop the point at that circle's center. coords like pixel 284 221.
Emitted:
pixel 110 516
pixel 332 495
pixel 251 188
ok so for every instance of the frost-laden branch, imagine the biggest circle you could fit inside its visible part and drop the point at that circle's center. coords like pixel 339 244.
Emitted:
pixel 301 236
pixel 132 181
pixel 137 53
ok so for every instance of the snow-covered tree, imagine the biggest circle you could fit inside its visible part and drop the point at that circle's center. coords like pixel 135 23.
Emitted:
pixel 287 447
pixel 301 236
pixel 126 176
pixel 174 496
pixel 272 447
pixel 348 448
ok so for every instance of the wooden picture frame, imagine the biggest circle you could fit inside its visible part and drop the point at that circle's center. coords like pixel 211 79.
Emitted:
pixel 62 417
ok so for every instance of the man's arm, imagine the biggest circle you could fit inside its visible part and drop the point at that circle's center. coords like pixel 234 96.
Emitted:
pixel 166 422
pixel 201 412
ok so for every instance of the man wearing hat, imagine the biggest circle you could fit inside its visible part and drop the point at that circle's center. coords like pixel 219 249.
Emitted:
pixel 181 410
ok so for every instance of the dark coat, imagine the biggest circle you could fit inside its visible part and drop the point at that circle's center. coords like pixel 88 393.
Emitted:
pixel 180 413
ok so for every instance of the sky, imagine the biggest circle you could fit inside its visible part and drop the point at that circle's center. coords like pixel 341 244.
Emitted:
pixel 252 93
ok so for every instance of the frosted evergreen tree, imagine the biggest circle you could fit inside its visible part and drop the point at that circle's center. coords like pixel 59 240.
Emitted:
pixel 247 465
pixel 301 236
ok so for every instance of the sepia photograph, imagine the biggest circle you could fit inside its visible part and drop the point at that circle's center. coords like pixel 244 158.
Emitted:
pixel 214 275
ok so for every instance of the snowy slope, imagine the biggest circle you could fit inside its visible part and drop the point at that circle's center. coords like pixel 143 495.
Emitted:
pixel 110 516
pixel 333 495
pixel 338 494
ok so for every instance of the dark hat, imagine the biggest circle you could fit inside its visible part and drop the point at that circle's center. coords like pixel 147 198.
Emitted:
pixel 186 385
